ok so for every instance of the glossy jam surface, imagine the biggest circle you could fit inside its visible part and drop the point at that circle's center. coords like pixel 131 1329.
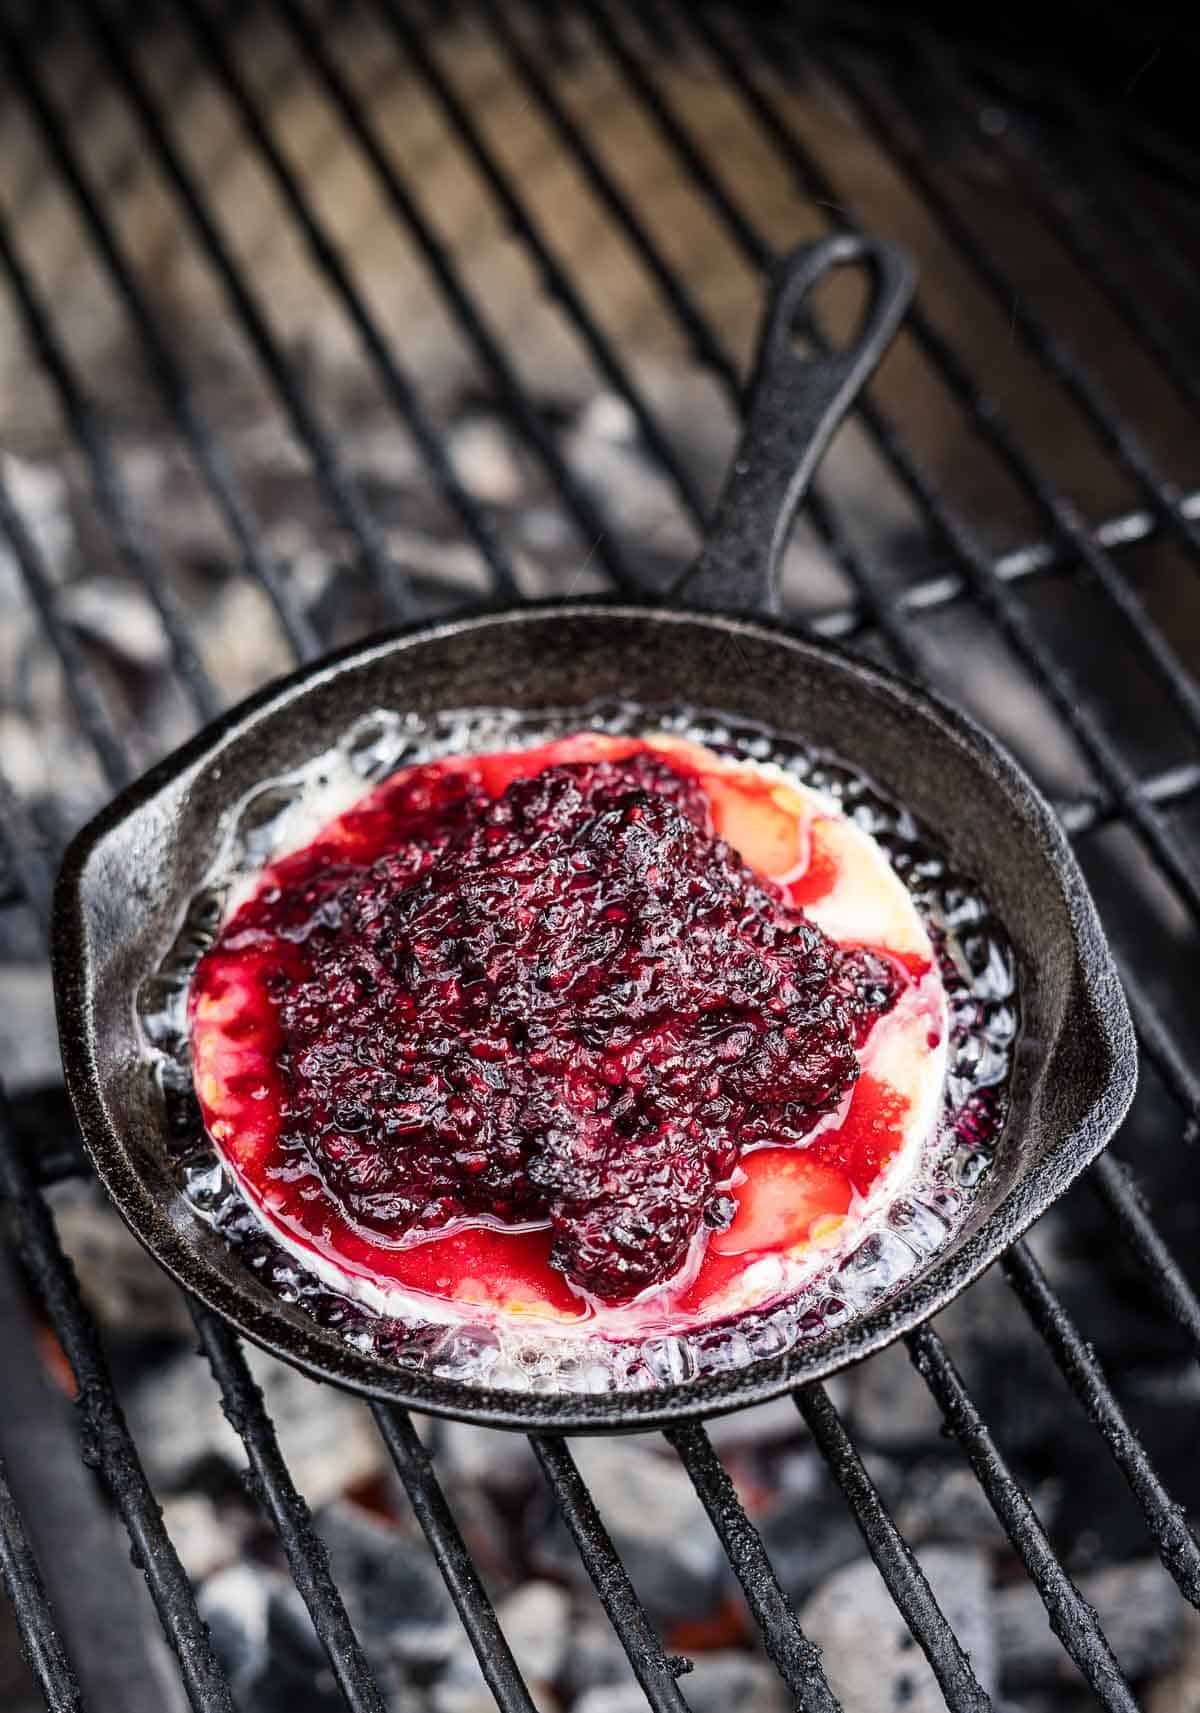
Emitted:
pixel 608 1031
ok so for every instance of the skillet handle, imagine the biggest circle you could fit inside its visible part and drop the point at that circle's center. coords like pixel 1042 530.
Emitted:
pixel 793 406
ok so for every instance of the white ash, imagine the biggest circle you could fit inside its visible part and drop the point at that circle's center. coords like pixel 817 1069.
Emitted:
pixel 209 1536
pixel 470 1455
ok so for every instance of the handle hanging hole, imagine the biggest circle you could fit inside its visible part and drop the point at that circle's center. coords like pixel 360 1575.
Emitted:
pixel 837 308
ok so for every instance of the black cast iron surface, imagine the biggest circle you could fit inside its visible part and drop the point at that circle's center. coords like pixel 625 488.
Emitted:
pixel 899 92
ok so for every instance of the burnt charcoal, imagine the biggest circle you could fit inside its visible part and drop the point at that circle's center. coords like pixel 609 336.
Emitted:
pixel 174 1410
pixel 870 1657
pixel 657 1525
pixel 265 1640
pixel 393 1590
pixel 536 1619
pixel 723 1681
pixel 1140 1611
pixel 807 1528
pixel 942 1501
pixel 595 1658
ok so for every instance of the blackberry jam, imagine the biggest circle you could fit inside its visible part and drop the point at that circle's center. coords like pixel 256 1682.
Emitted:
pixel 565 1062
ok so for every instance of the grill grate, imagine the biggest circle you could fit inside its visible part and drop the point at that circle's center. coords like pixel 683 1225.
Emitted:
pixel 1079 177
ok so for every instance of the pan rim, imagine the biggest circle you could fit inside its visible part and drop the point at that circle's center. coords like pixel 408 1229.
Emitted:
pixel 320 1352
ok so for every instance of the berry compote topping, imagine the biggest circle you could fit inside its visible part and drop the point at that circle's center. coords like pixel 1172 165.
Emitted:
pixel 531 1016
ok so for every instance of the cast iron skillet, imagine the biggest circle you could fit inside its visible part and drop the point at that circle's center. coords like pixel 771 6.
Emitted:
pixel 124 884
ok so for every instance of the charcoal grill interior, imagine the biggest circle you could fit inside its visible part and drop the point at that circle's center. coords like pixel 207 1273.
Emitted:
pixel 314 320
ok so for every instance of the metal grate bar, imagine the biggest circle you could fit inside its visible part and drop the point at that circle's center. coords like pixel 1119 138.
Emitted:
pixel 401 389
pixel 1124 209
pixel 1114 429
pixel 556 281
pixel 795 1658
pixel 340 489
pixel 90 710
pixel 203 443
pixel 749 240
pixel 703 336
pixel 1166 1520
pixel 276 1492
pixel 876 607
pixel 1160 1045
pixel 1123 529
pixel 1066 208
pixel 1096 157
pixel 112 496
pixel 243 1406
pixel 1062 515
pixel 894 1558
pixel 591 524
pixel 429 1505
pixel 982 580
pixel 1161 1516
pixel 931 594
pixel 993 597
pixel 1071 1618
pixel 1172 788
pixel 107 1445
pixel 23 1584
pixel 1114 1183
pixel 654 1671
pixel 706 343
